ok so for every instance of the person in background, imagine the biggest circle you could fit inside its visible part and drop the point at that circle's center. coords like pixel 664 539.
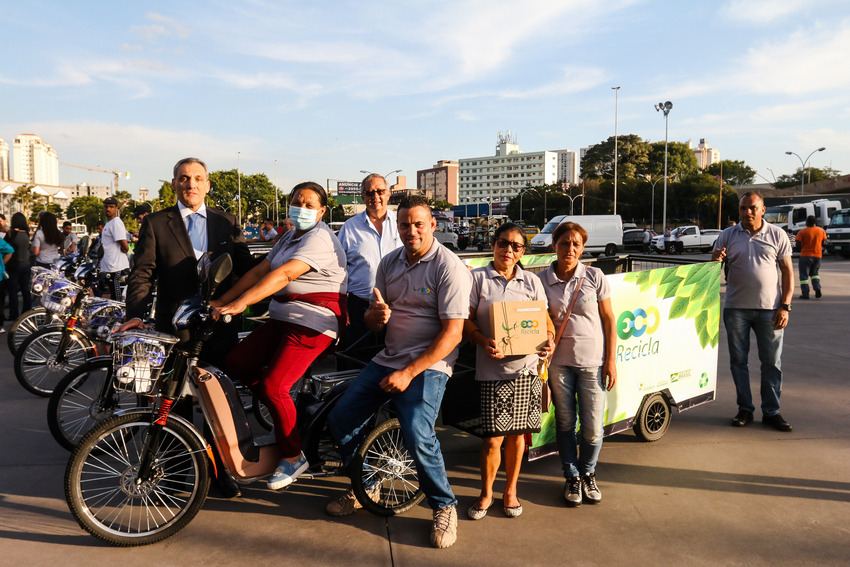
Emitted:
pixel 94 247
pixel 140 212
pixel 6 252
pixel 583 367
pixel 69 244
pixel 647 241
pixel 759 289
pixel 48 240
pixel 305 275
pixel 510 387
pixel 114 262
pixel 811 240
pixel 366 238
pixel 287 225
pixel 18 267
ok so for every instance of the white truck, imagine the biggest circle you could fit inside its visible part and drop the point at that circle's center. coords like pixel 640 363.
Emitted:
pixel 838 234
pixel 604 234
pixel 689 237
pixel 445 233
pixel 792 217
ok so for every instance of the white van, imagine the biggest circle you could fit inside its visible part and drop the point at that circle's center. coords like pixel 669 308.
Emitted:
pixel 604 234
pixel 445 233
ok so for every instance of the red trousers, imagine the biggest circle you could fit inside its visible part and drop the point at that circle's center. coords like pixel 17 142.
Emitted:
pixel 270 360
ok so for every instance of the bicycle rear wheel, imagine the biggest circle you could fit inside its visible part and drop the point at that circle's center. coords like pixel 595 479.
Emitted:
pixel 384 460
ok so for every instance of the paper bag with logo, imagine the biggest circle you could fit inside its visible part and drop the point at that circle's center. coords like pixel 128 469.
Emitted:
pixel 519 327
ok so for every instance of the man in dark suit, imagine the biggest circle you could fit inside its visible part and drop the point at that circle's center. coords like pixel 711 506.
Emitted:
pixel 166 254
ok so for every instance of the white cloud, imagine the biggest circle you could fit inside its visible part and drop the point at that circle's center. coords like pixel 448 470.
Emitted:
pixel 164 27
pixel 808 61
pixel 575 79
pixel 762 12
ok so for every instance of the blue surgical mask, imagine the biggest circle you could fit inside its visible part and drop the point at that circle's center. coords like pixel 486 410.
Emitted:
pixel 303 219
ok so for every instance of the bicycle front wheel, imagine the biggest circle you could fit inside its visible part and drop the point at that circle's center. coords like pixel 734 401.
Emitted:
pixel 108 498
pixel 84 398
pixel 25 325
pixel 385 461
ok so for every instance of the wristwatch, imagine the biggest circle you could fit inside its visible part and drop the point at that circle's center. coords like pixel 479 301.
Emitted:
pixel 785 306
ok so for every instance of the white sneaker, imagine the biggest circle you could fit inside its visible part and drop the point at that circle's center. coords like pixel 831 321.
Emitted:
pixel 287 472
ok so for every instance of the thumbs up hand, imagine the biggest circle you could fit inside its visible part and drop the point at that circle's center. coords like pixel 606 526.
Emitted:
pixel 378 313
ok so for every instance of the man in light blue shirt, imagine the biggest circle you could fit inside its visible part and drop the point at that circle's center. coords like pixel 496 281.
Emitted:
pixel 366 238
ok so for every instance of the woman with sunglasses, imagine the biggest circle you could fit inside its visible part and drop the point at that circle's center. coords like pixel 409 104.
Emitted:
pixel 583 365
pixel 510 388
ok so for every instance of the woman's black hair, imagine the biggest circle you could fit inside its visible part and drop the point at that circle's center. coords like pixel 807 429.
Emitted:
pixel 52 234
pixel 315 188
pixel 19 222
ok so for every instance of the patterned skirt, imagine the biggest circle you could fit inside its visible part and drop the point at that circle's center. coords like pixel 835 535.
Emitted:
pixel 511 407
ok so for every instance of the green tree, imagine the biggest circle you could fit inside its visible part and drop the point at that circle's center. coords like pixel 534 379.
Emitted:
pixel 812 174
pixel 24 197
pixel 258 194
pixel 681 161
pixel 167 198
pixel 632 158
pixel 89 209
pixel 734 172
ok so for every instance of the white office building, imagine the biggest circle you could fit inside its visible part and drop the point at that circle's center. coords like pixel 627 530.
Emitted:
pixel 568 166
pixel 705 155
pixel 4 161
pixel 498 178
pixel 35 161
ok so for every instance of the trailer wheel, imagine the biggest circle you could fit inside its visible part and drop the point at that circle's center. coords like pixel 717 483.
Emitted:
pixel 611 250
pixel 653 418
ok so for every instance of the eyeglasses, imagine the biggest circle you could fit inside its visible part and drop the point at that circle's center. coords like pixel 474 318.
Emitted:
pixel 515 246
pixel 380 193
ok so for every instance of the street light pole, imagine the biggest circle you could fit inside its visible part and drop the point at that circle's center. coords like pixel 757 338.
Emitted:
pixel 616 109
pixel 803 169
pixel 664 107
pixel 276 198
pixel 239 186
pixel 652 212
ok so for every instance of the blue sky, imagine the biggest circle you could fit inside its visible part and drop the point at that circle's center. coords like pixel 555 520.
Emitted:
pixel 331 88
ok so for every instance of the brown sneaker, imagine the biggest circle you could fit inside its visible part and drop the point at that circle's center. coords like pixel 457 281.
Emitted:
pixel 347 504
pixel 444 529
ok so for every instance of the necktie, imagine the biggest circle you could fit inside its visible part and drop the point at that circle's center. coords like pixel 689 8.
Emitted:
pixel 196 232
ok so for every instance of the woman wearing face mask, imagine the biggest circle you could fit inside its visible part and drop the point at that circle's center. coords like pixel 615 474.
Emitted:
pixel 305 275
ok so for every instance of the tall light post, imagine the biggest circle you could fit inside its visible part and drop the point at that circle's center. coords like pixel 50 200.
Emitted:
pixel 652 212
pixel 522 192
pixel 664 107
pixel 616 108
pixel 239 186
pixel 276 198
pixel 803 169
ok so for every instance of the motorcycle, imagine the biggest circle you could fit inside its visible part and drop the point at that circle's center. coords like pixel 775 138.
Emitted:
pixel 142 475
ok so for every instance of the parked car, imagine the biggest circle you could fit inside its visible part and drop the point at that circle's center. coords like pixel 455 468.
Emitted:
pixel 633 239
pixel 688 238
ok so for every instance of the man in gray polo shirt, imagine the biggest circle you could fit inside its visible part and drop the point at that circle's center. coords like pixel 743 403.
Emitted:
pixel 759 288
pixel 422 299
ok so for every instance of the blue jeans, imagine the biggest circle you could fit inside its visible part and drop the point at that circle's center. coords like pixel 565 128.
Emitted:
pixel 738 323
pixel 809 266
pixel 585 388
pixel 417 408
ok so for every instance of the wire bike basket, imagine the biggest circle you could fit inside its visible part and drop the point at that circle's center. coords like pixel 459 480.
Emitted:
pixel 59 297
pixel 138 357
pixel 100 315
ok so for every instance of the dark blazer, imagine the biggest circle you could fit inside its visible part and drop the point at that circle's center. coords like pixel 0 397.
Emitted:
pixel 164 255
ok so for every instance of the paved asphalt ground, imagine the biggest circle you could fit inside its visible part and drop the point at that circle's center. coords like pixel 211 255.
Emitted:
pixel 705 494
